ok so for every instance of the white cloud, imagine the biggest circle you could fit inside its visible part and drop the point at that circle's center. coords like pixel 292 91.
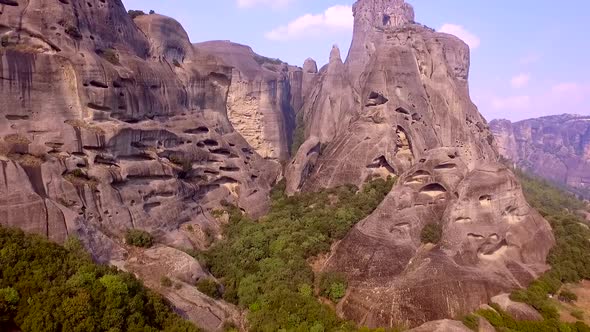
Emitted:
pixel 469 38
pixel 334 19
pixel 520 80
pixel 271 3
pixel 514 103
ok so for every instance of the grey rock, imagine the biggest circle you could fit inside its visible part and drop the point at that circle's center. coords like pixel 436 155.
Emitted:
pixel 399 106
pixel 441 326
pixel 518 311
pixel 554 147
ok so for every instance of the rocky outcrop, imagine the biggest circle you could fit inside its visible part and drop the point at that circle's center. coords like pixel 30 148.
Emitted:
pixel 518 310
pixel 399 106
pixel 263 97
pixel 555 147
pixel 110 124
pixel 441 326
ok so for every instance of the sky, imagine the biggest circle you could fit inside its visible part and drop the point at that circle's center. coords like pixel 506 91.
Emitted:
pixel 529 58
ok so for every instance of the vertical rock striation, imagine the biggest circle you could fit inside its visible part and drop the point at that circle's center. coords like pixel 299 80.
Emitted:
pixel 399 106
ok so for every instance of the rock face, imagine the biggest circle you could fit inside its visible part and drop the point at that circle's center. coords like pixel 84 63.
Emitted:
pixel 442 326
pixel 519 311
pixel 554 147
pixel 110 131
pixel 263 97
pixel 399 106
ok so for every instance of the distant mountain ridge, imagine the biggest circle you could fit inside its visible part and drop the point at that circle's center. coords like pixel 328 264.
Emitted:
pixel 554 147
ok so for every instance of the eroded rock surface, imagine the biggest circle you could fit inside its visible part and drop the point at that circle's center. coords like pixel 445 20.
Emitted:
pixel 262 99
pixel 554 147
pixel 399 106
pixel 109 124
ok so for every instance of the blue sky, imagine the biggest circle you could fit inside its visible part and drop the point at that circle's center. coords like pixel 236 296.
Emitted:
pixel 529 57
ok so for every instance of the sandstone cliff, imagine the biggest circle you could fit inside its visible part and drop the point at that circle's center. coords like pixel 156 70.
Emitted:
pixel 399 106
pixel 109 124
pixel 554 147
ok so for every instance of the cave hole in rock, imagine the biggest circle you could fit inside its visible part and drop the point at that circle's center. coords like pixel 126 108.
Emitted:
pixel 463 220
pixel 150 206
pixel 14 117
pixel 433 190
pixel 418 177
pixel 376 99
pixel 485 200
pixel 493 251
pixel 221 151
pixel 476 236
pixel 381 167
pixel 402 110
pixel 404 145
pixel 98 84
pixel 210 142
pixel 229 169
pixel 98 107
pixel 386 19
pixel 448 166
pixel 9 3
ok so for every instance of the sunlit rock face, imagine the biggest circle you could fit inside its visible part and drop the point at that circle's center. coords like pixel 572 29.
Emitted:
pixel 110 124
pixel 554 147
pixel 399 106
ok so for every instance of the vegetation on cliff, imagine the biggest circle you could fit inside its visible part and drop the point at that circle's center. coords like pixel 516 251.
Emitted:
pixel 45 288
pixel 264 265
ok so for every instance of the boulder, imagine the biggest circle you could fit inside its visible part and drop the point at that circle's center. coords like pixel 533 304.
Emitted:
pixel 518 310
pixel 441 326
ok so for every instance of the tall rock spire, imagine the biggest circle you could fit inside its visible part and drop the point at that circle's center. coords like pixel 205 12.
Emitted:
pixel 371 19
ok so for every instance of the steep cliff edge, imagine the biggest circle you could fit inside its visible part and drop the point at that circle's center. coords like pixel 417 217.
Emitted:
pixel 399 106
pixel 553 147
pixel 109 124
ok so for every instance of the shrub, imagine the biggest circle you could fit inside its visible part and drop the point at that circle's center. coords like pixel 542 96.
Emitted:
pixel 73 32
pixel 135 13
pixel 209 287
pixel 431 233
pixel 166 282
pixel 264 264
pixel 111 55
pixel 139 238
pixel 578 314
pixel 229 327
pixel 298 134
pixel 471 321
pixel 333 286
pixel 61 289
pixel 567 296
pixel 262 60
pixel 79 178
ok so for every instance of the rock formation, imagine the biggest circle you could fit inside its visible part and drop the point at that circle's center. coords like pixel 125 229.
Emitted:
pixel 109 124
pixel 554 147
pixel 399 106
